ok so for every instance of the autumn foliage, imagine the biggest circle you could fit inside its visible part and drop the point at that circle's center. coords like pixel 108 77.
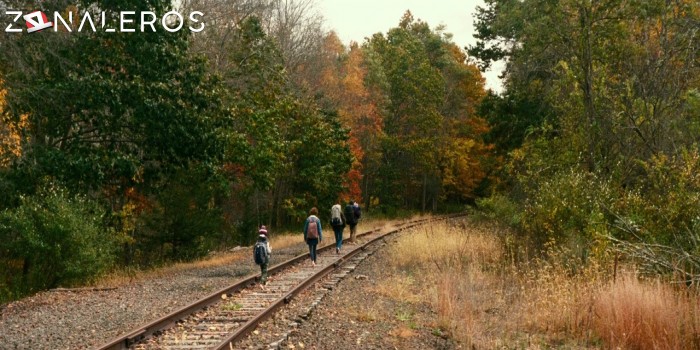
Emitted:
pixel 10 133
pixel 409 98
pixel 164 146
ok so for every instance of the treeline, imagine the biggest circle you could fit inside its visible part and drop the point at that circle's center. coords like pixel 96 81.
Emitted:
pixel 133 149
pixel 599 127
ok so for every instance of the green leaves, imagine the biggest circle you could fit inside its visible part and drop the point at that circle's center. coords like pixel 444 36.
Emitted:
pixel 289 154
pixel 110 104
pixel 606 92
pixel 53 238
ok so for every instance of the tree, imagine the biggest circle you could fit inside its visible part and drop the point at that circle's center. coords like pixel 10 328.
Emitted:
pixel 287 154
pixel 612 83
pixel 10 133
pixel 610 68
pixel 107 114
pixel 428 83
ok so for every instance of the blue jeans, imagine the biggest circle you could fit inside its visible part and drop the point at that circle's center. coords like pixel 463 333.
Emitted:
pixel 312 248
pixel 338 230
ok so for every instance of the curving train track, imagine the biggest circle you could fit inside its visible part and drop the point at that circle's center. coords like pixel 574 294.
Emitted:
pixel 221 319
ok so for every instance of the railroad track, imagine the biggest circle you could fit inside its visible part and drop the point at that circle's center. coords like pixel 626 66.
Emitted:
pixel 222 318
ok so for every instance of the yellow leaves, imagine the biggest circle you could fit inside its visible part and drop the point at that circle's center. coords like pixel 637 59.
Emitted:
pixel 11 132
pixel 463 170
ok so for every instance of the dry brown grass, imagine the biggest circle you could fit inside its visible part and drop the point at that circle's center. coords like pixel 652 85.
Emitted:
pixel 399 287
pixel 402 332
pixel 285 240
pixel 445 247
pixel 451 261
pixel 486 302
pixel 632 314
pixel 126 276
pixel 365 312
pixel 554 301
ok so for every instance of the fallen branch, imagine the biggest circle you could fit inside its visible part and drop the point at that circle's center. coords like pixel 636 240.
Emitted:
pixel 83 289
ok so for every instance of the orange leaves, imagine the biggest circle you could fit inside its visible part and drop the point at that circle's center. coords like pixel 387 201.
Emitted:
pixel 340 78
pixel 352 182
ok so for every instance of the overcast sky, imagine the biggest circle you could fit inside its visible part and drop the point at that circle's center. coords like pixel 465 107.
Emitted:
pixel 357 19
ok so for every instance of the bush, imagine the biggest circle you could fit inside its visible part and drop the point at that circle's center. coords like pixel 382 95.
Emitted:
pixel 570 209
pixel 52 239
pixel 658 222
pixel 500 208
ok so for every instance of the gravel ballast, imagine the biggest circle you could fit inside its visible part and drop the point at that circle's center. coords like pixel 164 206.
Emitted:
pixel 87 318
pixel 347 315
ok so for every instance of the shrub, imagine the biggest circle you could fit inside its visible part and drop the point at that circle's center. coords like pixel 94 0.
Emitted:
pixel 52 239
pixel 502 209
pixel 658 221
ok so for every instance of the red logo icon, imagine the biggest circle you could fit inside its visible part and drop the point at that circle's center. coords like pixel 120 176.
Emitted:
pixel 37 21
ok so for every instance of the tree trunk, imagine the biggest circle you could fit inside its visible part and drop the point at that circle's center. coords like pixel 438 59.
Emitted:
pixel 425 190
pixel 365 193
pixel 587 86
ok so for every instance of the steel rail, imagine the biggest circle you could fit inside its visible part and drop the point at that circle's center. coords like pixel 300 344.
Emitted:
pixel 250 325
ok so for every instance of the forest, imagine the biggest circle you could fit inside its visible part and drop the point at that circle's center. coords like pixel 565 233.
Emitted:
pixel 128 151
pixel 132 150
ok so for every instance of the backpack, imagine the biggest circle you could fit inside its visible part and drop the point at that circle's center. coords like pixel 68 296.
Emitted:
pixel 336 220
pixel 260 253
pixel 312 229
pixel 356 210
pixel 350 214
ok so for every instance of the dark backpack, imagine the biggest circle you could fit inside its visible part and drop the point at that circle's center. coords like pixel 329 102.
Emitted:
pixel 312 229
pixel 356 210
pixel 336 222
pixel 350 214
pixel 260 253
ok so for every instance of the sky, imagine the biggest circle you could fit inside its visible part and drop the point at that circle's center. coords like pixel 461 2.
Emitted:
pixel 353 20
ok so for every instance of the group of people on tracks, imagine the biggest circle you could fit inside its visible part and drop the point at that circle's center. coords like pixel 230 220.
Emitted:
pixel 313 234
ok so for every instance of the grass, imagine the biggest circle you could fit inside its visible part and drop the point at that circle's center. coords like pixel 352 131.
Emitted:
pixel 484 300
pixel 646 315
pixel 365 313
pixel 130 275
pixel 232 306
pixel 453 264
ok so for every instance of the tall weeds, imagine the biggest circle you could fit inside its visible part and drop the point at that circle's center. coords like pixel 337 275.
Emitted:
pixel 485 300
pixel 632 314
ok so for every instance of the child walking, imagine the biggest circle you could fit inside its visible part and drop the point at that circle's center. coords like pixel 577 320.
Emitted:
pixel 262 253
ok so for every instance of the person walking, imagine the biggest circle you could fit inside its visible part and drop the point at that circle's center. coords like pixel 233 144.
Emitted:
pixel 350 219
pixel 261 254
pixel 313 234
pixel 338 225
